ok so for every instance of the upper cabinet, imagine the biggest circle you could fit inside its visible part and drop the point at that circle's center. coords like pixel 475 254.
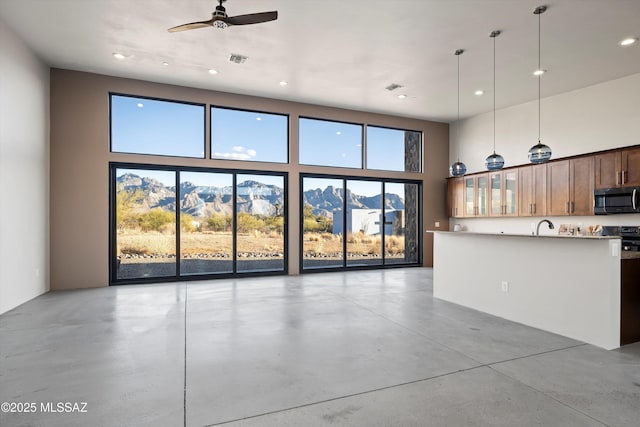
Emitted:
pixel 475 195
pixel 559 187
pixel 570 187
pixel 532 190
pixel 503 193
pixel 617 169
pixel 455 197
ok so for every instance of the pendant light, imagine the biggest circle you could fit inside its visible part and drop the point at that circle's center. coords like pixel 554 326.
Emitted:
pixel 494 161
pixel 540 152
pixel 458 168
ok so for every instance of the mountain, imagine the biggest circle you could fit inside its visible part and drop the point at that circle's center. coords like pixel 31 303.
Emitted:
pixel 325 202
pixel 254 197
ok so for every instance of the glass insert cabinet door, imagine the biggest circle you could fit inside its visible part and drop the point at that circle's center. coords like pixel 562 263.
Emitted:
pixel 475 195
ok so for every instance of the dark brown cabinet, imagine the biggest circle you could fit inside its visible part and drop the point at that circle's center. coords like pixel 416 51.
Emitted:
pixel 455 197
pixel 532 190
pixel 570 187
pixel 617 169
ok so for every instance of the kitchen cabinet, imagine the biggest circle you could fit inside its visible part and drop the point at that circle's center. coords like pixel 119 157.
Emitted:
pixel 503 193
pixel 618 168
pixel 455 196
pixel 475 195
pixel 570 186
pixel 532 190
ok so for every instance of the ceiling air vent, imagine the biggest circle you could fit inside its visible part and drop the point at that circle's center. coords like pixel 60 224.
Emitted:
pixel 237 59
pixel 393 86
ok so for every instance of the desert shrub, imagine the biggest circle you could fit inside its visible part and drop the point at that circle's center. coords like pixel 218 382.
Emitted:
pixel 275 223
pixel 126 200
pixel 155 220
pixel 219 222
pixel 187 223
pixel 248 222
pixel 310 225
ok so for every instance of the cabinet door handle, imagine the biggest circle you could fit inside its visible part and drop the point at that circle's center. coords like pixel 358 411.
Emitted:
pixel 573 207
pixel 622 174
pixel 534 208
pixel 617 178
pixel 568 211
pixel 530 208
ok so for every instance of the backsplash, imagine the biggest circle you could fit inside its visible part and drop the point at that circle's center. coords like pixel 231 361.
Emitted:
pixel 526 225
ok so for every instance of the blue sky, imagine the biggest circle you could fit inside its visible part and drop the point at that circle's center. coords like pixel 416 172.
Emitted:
pixel 171 128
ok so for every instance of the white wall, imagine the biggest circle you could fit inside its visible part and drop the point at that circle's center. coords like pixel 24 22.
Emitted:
pixel 24 172
pixel 594 118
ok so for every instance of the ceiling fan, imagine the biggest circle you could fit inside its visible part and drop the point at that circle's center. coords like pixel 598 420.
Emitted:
pixel 220 19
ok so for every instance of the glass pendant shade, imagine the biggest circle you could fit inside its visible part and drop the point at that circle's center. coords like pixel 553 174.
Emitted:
pixel 494 162
pixel 539 153
pixel 457 169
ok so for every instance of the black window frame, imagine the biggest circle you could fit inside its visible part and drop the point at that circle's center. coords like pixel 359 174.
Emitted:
pixel 362 143
pixel 345 266
pixel 210 136
pixel 112 262
pixel 204 125
pixel 366 137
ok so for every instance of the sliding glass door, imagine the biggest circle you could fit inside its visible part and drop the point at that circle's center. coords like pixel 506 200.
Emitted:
pixel 178 223
pixel 373 223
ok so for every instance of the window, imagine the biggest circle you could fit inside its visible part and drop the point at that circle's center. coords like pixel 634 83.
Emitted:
pixel 377 223
pixel 327 143
pixel 228 223
pixel 151 126
pixel 393 149
pixel 249 135
pixel 145 223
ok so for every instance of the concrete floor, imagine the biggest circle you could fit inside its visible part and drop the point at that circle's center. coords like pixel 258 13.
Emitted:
pixel 341 349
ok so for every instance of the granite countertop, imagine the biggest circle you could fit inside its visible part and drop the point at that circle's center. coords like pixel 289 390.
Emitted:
pixel 546 236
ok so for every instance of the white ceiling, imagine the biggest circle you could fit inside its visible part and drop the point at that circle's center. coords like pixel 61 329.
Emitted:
pixel 344 53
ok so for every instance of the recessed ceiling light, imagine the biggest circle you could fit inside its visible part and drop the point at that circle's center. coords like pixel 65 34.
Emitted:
pixel 118 55
pixel 165 63
pixel 628 41
pixel 140 105
pixel 338 133
pixel 402 96
pixel 283 83
pixel 479 92
pixel 539 72
pixel 258 118
pixel 212 71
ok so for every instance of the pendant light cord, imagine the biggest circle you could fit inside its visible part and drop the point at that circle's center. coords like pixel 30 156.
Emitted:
pixel 458 53
pixel 494 35
pixel 539 78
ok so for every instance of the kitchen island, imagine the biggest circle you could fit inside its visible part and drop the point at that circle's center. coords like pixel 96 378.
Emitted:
pixel 568 285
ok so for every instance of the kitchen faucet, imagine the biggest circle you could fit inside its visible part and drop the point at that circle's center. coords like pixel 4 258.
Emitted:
pixel 540 223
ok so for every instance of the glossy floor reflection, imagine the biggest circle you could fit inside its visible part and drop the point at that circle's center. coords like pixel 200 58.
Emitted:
pixel 370 348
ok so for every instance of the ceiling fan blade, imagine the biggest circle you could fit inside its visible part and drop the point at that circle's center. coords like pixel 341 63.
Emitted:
pixel 252 18
pixel 192 26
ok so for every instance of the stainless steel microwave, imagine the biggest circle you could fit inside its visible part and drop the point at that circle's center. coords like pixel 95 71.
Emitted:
pixel 616 200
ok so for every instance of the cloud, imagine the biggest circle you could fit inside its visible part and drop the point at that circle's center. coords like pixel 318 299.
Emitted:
pixel 238 152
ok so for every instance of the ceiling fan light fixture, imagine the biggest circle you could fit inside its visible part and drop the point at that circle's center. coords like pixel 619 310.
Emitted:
pixel 219 24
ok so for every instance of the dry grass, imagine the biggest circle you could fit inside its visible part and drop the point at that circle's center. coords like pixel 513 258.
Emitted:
pixel 220 243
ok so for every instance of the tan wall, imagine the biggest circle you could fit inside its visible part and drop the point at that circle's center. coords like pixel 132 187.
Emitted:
pixel 80 171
